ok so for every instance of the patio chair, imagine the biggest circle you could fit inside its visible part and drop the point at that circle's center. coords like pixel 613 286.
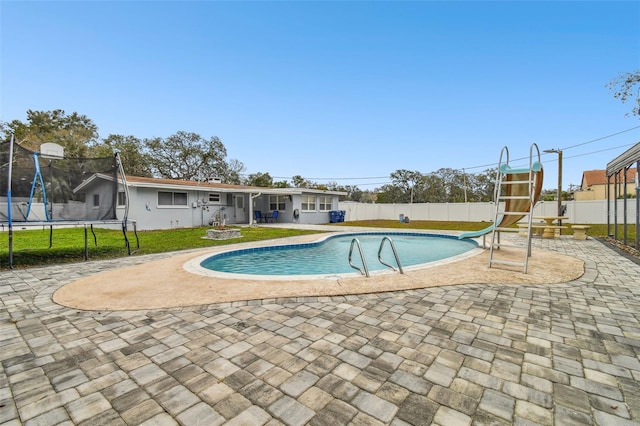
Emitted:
pixel 274 216
pixel 257 214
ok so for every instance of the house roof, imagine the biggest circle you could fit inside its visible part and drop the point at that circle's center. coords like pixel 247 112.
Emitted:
pixel 93 178
pixel 137 181
pixel 158 182
pixel 594 177
pixel 599 177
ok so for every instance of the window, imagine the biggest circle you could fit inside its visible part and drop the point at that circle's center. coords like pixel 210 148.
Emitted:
pixel 325 202
pixel 96 200
pixel 172 198
pixel 214 198
pixel 277 202
pixel 122 198
pixel 308 203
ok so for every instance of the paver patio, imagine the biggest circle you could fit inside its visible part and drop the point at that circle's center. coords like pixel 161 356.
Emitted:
pixel 565 354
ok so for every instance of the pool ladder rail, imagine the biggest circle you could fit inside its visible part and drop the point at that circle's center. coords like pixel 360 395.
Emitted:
pixel 365 270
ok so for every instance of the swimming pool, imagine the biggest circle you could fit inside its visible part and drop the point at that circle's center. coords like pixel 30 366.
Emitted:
pixel 329 257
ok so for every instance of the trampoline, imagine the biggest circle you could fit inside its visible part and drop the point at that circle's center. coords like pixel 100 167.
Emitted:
pixel 46 189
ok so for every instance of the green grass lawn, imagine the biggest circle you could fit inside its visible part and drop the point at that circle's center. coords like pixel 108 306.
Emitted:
pixel 31 247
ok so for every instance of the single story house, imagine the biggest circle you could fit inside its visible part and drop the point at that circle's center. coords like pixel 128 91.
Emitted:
pixel 594 185
pixel 168 203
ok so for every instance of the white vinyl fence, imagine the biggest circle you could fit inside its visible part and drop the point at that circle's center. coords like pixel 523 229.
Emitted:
pixel 584 212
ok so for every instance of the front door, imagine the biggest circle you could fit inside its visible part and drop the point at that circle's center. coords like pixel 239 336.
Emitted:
pixel 239 209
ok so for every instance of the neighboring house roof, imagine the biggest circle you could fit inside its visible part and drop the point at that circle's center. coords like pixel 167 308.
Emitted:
pixel 145 182
pixel 599 177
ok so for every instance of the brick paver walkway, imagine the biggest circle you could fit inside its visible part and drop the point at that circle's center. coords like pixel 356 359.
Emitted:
pixel 565 354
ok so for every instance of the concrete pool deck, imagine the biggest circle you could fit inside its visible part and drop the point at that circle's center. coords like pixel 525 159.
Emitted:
pixel 495 353
pixel 166 284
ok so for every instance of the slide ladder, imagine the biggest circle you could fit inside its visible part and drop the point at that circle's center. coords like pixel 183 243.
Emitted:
pixel 516 192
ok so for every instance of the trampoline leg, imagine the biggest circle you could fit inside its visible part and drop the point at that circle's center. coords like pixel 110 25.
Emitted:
pixel 95 237
pixel 126 240
pixel 86 245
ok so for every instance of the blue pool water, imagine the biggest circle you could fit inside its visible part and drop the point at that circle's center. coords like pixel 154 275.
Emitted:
pixel 330 256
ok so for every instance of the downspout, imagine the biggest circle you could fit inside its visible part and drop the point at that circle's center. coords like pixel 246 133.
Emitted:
pixel 252 219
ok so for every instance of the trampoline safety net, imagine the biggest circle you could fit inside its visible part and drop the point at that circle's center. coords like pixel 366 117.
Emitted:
pixel 57 189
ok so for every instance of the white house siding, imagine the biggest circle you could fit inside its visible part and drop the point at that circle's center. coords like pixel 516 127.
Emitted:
pixel 312 217
pixel 144 209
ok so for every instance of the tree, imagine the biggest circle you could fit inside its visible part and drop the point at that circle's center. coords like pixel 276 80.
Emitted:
pixel 445 185
pixel 626 86
pixel 435 190
pixel 131 150
pixel 407 187
pixel 407 181
pixel 186 156
pixel 260 179
pixel 367 197
pixel 481 186
pixel 353 192
pixel 389 194
pixel 233 171
pixel 75 132
pixel 300 182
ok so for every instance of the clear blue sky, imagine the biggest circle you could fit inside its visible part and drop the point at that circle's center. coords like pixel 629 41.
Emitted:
pixel 336 89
